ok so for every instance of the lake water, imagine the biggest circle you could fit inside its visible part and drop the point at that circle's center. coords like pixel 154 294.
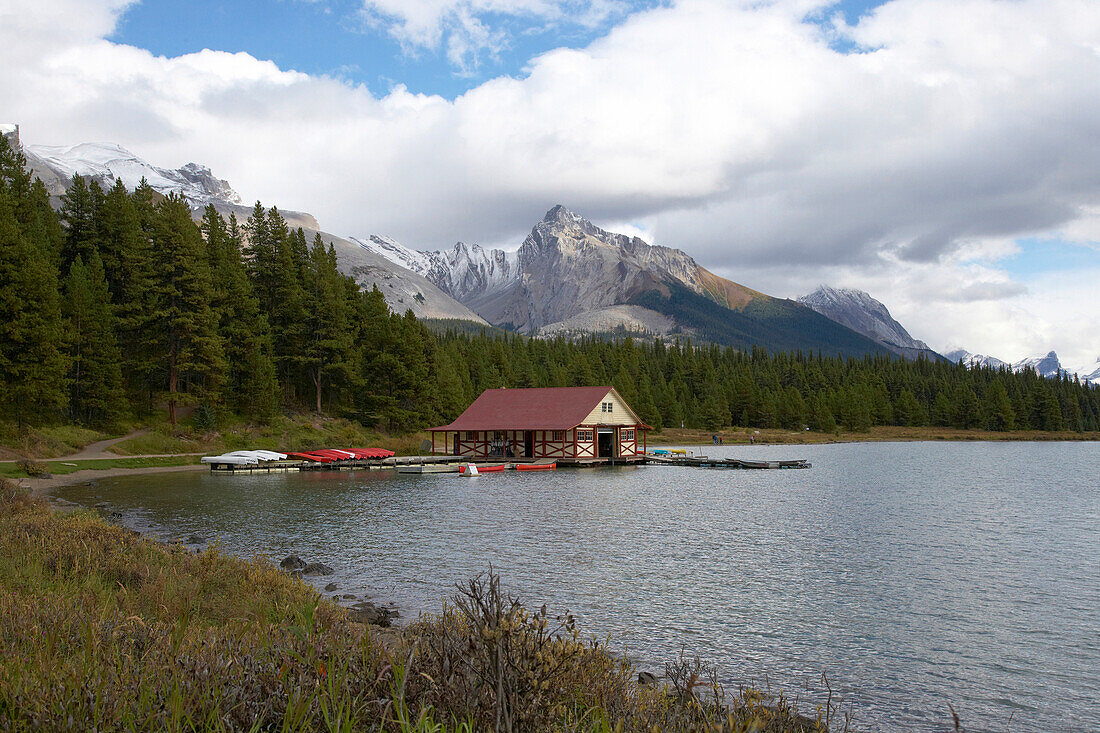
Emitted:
pixel 916 575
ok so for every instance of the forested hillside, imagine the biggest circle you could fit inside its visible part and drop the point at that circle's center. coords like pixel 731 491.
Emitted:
pixel 119 304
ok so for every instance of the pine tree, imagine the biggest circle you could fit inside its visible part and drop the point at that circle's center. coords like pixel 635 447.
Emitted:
pixel 79 211
pixel 32 360
pixel 191 350
pixel 965 408
pixel 999 414
pixel 328 349
pixel 96 395
pixel 128 266
pixel 251 386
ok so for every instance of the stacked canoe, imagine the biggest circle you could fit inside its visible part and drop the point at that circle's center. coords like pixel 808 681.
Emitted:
pixel 335 456
pixel 245 458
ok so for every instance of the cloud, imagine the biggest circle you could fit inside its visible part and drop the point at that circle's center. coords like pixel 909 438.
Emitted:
pixel 734 130
pixel 470 29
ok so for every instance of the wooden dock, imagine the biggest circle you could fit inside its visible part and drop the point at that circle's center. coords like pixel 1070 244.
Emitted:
pixel 348 465
pixel 448 464
pixel 704 462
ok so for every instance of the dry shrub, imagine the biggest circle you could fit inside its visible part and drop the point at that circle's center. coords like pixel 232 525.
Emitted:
pixel 33 468
pixel 486 659
pixel 14 499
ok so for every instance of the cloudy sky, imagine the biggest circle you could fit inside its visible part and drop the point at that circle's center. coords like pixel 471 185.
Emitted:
pixel 943 155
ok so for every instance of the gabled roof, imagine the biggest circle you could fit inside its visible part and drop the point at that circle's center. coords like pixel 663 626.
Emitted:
pixel 543 408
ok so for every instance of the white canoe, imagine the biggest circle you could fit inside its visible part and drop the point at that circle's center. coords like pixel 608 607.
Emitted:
pixel 259 455
pixel 231 460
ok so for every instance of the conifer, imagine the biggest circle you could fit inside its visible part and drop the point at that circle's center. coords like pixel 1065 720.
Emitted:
pixel 190 348
pixel 33 364
pixel 96 395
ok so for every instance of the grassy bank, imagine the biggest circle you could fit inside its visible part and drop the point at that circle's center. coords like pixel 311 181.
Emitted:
pixel 680 436
pixel 158 437
pixel 45 442
pixel 103 629
pixel 61 467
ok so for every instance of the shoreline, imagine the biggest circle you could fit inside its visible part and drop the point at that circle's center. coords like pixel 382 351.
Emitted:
pixel 877 434
pixel 379 615
pixel 44 487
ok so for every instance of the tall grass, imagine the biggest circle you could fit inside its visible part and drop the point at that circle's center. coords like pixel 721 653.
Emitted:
pixel 102 629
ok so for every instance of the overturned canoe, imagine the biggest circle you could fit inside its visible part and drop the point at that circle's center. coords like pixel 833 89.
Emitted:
pixel 484 469
pixel 536 466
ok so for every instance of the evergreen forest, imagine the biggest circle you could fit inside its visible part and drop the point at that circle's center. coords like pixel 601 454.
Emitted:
pixel 119 304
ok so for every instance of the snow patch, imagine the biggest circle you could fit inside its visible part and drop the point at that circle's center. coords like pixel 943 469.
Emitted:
pixel 110 162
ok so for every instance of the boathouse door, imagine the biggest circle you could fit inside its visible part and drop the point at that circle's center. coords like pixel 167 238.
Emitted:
pixel 605 442
pixel 528 443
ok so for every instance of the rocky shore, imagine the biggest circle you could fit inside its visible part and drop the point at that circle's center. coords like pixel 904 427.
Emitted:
pixel 359 608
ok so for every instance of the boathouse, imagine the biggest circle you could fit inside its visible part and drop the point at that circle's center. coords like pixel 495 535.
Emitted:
pixel 575 425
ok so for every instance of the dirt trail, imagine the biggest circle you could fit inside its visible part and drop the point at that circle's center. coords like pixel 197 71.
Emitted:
pixel 99 448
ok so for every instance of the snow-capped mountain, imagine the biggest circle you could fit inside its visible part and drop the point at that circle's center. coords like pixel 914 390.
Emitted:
pixel 567 266
pixel 570 277
pixel 962 356
pixel 860 312
pixel 107 162
pixel 1046 366
pixel 464 271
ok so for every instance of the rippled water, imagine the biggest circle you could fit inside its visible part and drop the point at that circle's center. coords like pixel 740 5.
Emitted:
pixel 914 574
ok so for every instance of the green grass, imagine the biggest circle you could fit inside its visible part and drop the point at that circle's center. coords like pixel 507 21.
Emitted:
pixel 47 442
pixel 294 433
pixel 103 629
pixel 60 466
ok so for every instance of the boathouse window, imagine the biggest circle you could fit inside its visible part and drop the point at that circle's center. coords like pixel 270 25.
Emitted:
pixel 607 406
pixel 628 435
pixel 584 435
pixel 471 435
pixel 557 435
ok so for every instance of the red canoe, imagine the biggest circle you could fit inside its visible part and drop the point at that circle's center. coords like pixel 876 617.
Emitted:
pixel 535 466
pixel 484 469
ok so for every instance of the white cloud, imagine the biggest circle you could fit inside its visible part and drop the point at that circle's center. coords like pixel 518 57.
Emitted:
pixel 730 129
pixel 466 27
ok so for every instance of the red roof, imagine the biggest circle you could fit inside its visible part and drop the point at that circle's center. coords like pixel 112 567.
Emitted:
pixel 544 408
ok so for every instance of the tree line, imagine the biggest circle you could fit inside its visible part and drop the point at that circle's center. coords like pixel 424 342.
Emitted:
pixel 120 302
pixel 679 384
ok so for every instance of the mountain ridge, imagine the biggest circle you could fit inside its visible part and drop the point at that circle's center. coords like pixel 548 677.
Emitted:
pixel 862 313
pixel 569 276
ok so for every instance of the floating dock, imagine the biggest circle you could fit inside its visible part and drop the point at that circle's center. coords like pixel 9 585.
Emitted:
pixel 704 462
pixel 450 464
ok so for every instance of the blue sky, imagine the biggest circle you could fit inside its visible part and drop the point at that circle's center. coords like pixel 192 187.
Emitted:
pixel 332 37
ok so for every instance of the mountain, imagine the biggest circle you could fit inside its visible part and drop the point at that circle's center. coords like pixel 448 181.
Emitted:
pixel 860 312
pixel 107 162
pixel 1046 366
pixel 1092 377
pixel 962 356
pixel 566 267
pixel 571 277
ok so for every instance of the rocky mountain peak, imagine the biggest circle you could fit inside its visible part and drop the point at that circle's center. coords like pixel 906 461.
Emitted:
pixel 562 216
pixel 1047 366
pixel 860 312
